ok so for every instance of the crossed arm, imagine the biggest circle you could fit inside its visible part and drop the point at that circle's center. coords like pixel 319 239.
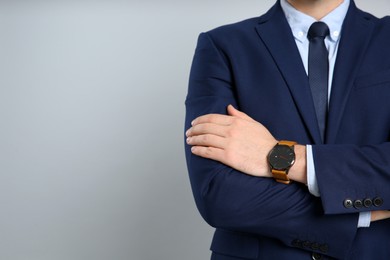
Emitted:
pixel 240 142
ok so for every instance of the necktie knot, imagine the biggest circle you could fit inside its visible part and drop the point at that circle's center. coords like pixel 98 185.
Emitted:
pixel 318 29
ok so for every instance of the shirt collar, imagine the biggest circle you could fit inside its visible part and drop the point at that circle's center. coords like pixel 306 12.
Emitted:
pixel 300 22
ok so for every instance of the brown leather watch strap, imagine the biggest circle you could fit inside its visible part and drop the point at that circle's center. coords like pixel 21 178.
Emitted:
pixel 289 143
pixel 280 176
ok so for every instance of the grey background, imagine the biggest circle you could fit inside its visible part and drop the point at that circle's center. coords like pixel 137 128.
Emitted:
pixel 91 126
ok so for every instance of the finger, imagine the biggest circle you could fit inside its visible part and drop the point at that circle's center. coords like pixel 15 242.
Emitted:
pixel 207 128
pixel 232 111
pixel 213 118
pixel 208 152
pixel 207 140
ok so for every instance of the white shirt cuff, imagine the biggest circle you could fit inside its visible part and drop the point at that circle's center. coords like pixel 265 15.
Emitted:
pixel 364 219
pixel 311 173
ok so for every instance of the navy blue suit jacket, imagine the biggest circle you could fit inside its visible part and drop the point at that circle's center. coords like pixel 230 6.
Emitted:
pixel 255 66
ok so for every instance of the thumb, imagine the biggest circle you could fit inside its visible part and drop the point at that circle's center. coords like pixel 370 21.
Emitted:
pixel 232 111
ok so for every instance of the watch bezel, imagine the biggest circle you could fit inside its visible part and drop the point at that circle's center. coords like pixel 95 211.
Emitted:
pixel 274 157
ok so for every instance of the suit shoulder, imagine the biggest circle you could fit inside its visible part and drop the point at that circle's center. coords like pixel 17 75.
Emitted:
pixel 240 30
pixel 233 29
pixel 384 21
pixel 382 25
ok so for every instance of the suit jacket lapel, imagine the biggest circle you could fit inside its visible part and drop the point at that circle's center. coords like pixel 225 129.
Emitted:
pixel 276 34
pixel 356 33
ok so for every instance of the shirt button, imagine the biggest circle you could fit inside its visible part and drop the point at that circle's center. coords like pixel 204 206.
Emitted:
pixel 300 34
pixel 336 33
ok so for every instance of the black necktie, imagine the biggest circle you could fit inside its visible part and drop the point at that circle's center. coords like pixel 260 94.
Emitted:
pixel 318 71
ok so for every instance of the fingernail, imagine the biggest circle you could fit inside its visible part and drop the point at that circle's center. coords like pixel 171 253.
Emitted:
pixel 188 139
pixel 188 132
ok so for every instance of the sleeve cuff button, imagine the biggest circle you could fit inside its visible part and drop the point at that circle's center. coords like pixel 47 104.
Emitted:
pixel 378 201
pixel 348 203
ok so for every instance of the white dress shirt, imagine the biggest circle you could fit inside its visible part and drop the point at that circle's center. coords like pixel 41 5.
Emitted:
pixel 300 24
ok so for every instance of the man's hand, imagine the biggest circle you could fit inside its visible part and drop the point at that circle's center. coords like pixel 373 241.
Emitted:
pixel 379 215
pixel 234 139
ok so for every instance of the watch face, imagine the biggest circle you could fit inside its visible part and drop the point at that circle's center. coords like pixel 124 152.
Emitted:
pixel 281 157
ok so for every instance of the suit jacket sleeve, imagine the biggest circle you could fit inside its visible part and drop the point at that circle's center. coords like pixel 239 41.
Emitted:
pixel 234 201
pixel 353 174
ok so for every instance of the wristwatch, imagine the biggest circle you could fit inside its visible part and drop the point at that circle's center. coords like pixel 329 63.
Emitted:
pixel 280 160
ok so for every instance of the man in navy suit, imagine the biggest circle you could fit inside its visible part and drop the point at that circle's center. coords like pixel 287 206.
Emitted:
pixel 276 178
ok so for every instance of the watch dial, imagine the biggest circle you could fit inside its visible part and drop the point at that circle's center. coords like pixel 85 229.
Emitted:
pixel 281 157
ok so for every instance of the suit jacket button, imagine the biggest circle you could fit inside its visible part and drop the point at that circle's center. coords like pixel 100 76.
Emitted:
pixel 367 203
pixel 315 246
pixel 306 244
pixel 358 204
pixel 316 256
pixel 348 203
pixel 378 201
pixel 324 248
pixel 296 243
